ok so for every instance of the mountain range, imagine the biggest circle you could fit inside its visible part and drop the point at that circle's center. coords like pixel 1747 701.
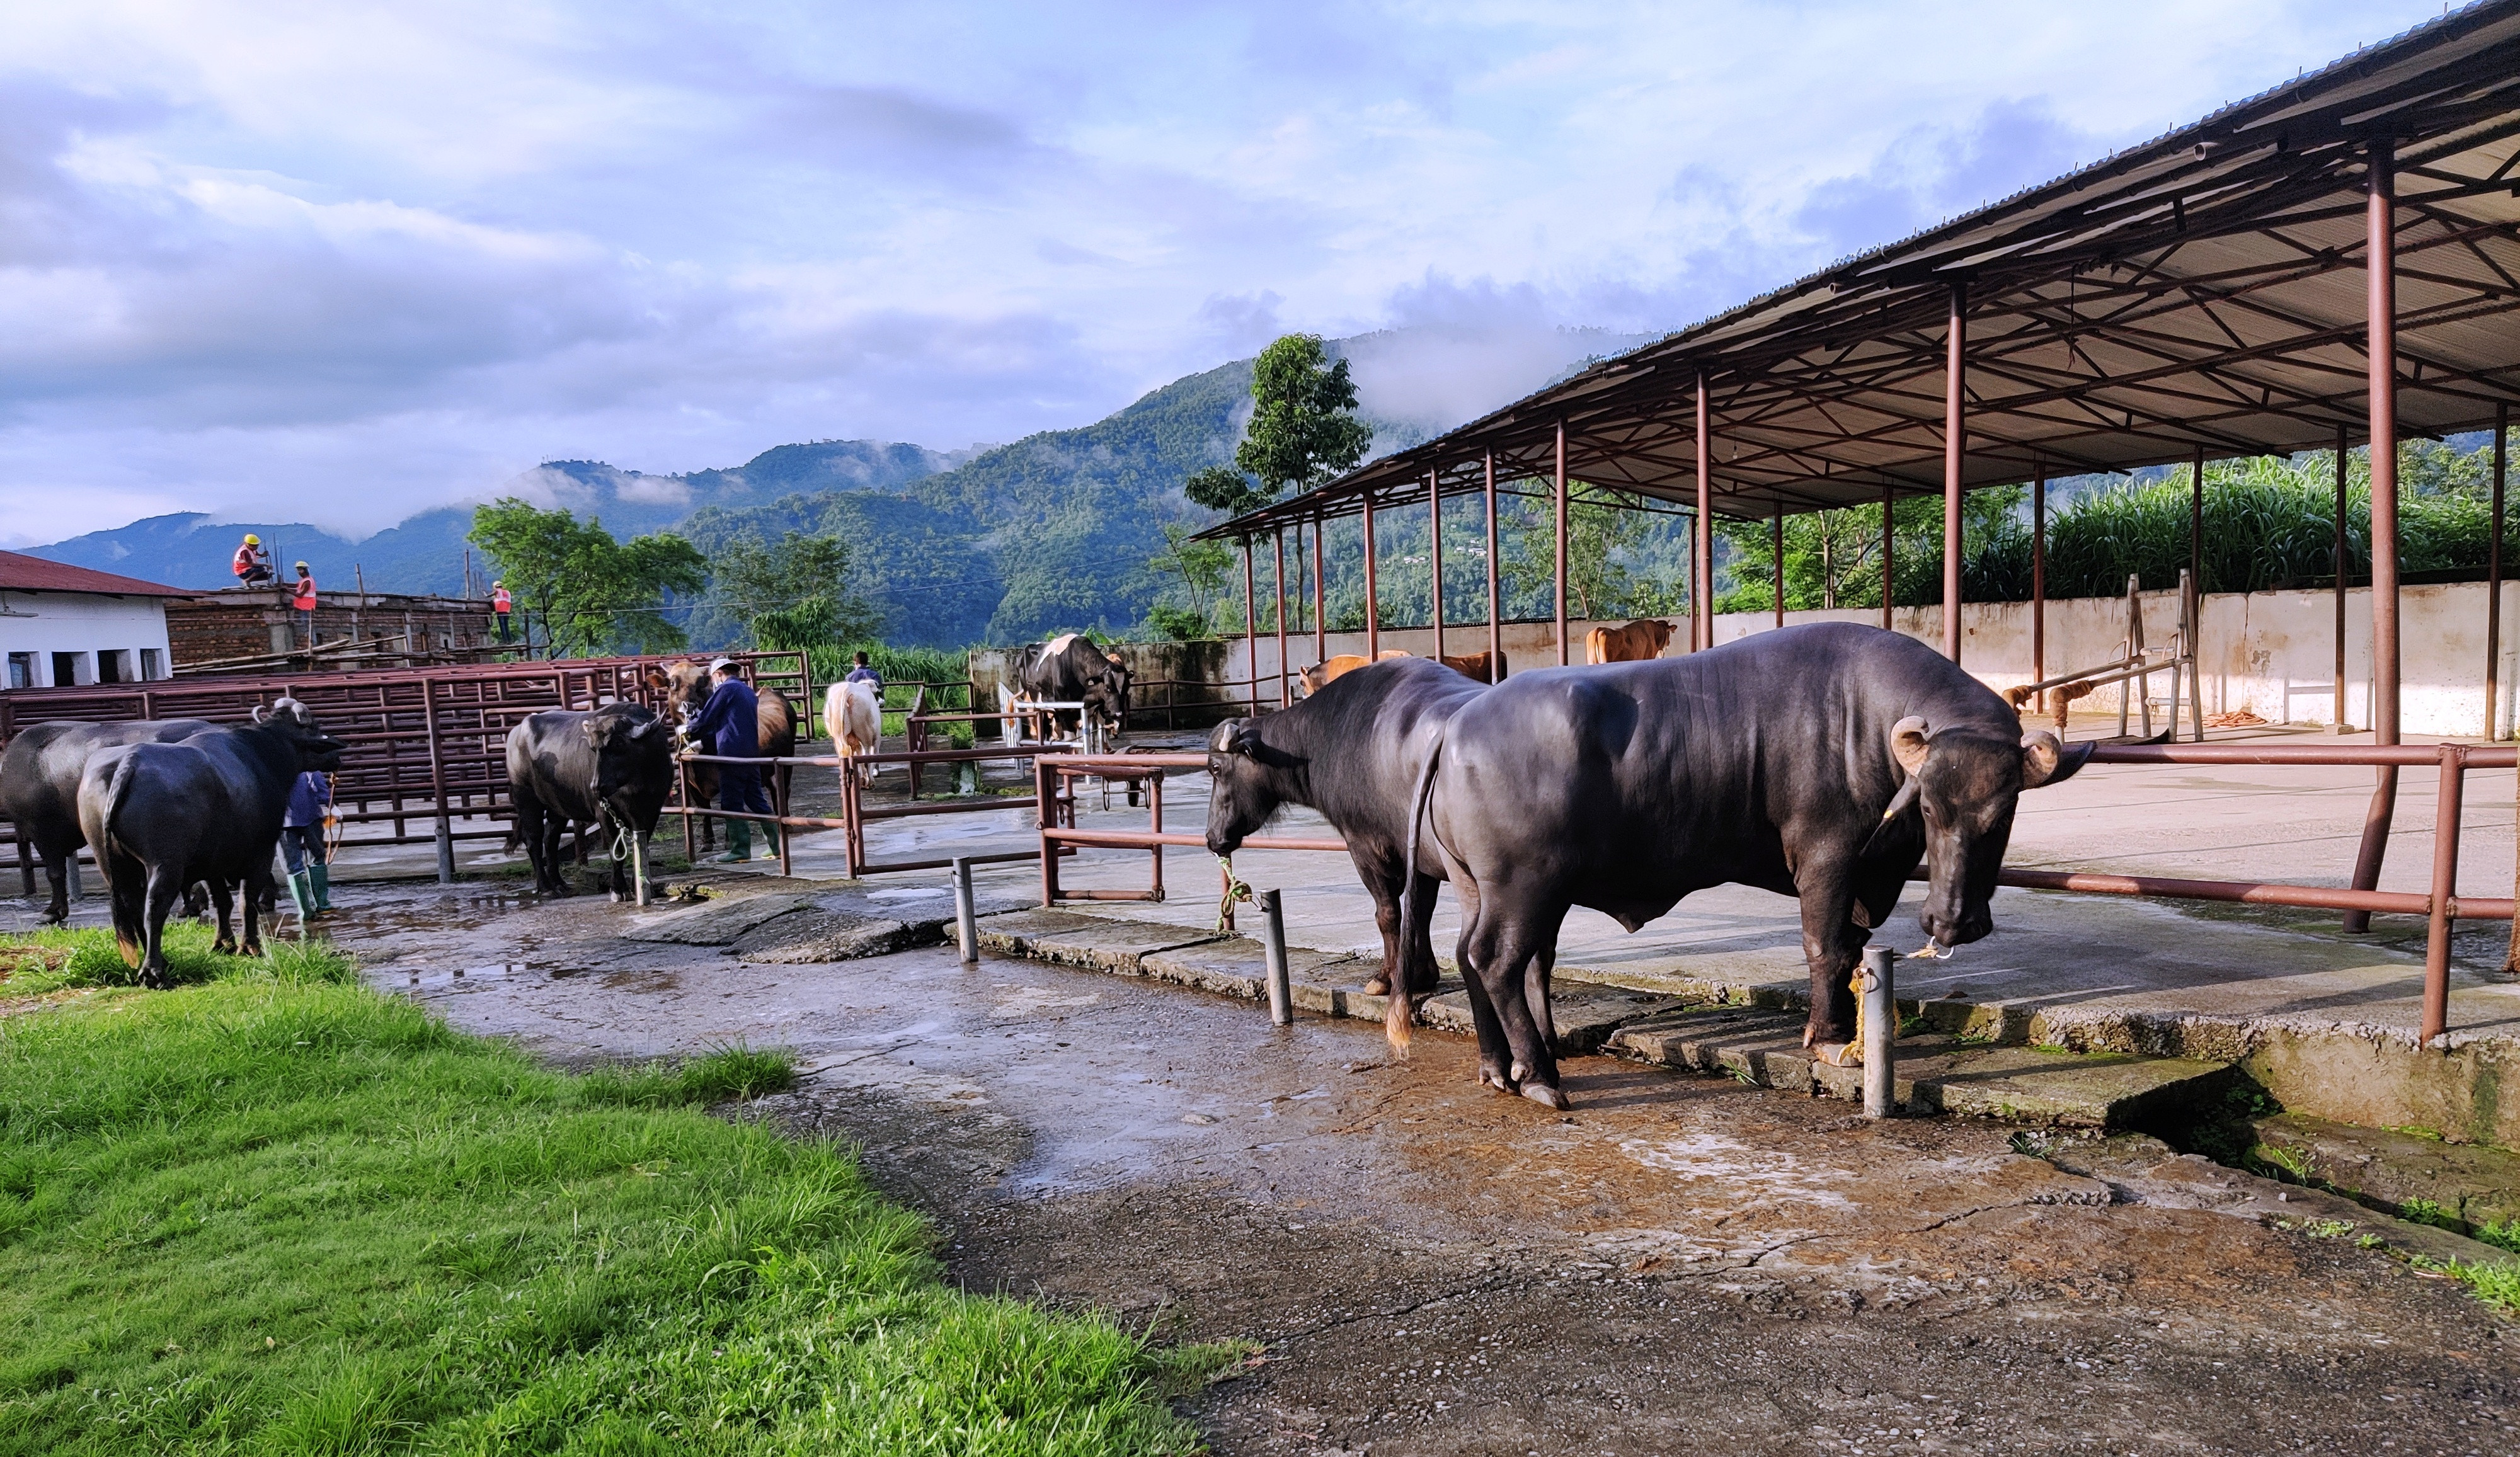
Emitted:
pixel 991 545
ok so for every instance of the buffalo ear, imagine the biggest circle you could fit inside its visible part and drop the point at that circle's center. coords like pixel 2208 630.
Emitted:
pixel 1908 743
pixel 2047 759
pixel 593 731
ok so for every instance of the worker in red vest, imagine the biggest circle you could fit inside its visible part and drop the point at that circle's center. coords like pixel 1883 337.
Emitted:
pixel 251 567
pixel 305 602
pixel 500 607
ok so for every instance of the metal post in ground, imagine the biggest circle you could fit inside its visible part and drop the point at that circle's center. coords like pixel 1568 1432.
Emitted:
pixel 2381 325
pixel 2446 817
pixel 1273 947
pixel 967 920
pixel 1880 1035
pixel 641 886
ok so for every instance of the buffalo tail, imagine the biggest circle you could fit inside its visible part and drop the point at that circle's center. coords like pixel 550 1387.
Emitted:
pixel 117 790
pixel 1399 1011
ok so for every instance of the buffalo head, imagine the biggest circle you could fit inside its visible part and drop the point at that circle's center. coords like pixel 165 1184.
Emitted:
pixel 633 761
pixel 1966 782
pixel 294 723
pixel 1107 695
pixel 1246 788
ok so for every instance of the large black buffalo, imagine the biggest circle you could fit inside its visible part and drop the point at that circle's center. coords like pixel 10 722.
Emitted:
pixel 1353 751
pixel 162 816
pixel 1070 669
pixel 1817 762
pixel 612 767
pixel 39 784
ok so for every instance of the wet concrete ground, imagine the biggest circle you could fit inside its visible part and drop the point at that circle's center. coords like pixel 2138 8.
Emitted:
pixel 1683 1264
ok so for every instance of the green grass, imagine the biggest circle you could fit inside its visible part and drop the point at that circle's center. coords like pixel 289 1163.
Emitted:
pixel 2501 1234
pixel 2497 1284
pixel 275 1212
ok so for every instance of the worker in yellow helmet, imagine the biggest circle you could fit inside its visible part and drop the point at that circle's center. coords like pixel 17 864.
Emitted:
pixel 251 566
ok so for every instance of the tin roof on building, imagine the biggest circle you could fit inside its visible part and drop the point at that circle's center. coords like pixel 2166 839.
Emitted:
pixel 19 572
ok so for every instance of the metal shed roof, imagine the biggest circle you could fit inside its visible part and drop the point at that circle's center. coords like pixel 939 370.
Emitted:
pixel 2206 289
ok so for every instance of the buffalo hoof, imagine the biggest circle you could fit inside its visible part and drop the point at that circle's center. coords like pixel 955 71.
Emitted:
pixel 1496 1079
pixel 1377 985
pixel 1838 1054
pixel 560 888
pixel 1542 1092
pixel 154 980
pixel 251 949
pixel 56 914
pixel 225 945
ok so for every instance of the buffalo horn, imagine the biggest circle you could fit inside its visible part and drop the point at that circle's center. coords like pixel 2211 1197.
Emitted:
pixel 2040 753
pixel 1908 743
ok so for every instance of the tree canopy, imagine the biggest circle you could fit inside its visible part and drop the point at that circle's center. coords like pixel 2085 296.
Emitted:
pixel 1303 433
pixel 591 593
pixel 793 592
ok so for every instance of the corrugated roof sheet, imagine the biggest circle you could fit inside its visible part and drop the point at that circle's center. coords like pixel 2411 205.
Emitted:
pixel 22 573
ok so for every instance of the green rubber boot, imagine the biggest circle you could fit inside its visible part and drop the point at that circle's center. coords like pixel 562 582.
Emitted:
pixel 321 874
pixel 301 894
pixel 739 842
pixel 770 833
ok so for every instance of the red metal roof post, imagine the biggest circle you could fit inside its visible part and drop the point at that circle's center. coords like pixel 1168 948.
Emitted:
pixel 2381 267
pixel 2493 575
pixel 1701 593
pixel 1321 603
pixel 1372 606
pixel 1283 696
pixel 1889 500
pixel 1495 629
pixel 2196 522
pixel 1436 555
pixel 1777 555
pixel 1250 626
pixel 1955 451
pixel 2339 725
pixel 1562 658
pixel 2038 581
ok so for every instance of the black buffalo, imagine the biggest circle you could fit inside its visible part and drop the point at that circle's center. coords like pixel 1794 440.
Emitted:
pixel 160 817
pixel 1353 752
pixel 39 784
pixel 1070 669
pixel 612 767
pixel 1817 762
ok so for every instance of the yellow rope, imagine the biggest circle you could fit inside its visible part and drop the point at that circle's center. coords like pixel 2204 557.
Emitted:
pixel 1237 890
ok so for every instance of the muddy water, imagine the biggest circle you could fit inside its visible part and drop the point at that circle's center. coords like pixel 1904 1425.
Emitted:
pixel 1678 1266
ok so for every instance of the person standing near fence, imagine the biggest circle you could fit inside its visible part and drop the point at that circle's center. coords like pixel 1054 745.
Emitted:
pixel 499 606
pixel 304 604
pixel 728 725
pixel 301 844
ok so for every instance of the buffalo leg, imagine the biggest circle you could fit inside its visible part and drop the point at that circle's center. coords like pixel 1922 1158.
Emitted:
pixel 1474 951
pixel 554 868
pixel 257 885
pixel 57 873
pixel 1536 992
pixel 166 886
pixel 1420 949
pixel 1832 945
pixel 1534 1071
pixel 225 941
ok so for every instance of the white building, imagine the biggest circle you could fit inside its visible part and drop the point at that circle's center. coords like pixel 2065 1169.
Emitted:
pixel 61 625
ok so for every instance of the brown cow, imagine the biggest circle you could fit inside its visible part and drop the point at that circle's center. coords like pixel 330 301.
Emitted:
pixel 686 686
pixel 1643 638
pixel 1475 666
pixel 1319 675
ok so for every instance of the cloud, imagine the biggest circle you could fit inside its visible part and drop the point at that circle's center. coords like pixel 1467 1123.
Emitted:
pixel 344 263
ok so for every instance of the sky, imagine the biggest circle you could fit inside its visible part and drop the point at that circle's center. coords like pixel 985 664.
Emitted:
pixel 339 263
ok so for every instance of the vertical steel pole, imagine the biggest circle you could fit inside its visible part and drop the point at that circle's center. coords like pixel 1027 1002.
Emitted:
pixel 1284 694
pixel 1373 602
pixel 2383 354
pixel 1880 1035
pixel 1250 626
pixel 2196 520
pixel 1435 557
pixel 1776 556
pixel 1702 591
pixel 1272 950
pixel 2039 582
pixel 1562 658
pixel 2339 725
pixel 1889 581
pixel 2494 577
pixel 1495 629
pixel 438 782
pixel 967 920
pixel 1955 453
pixel 2446 816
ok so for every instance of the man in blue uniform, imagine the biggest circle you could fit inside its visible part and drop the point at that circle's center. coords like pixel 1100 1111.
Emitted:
pixel 730 725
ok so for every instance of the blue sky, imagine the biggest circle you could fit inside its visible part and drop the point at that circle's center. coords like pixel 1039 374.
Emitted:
pixel 351 261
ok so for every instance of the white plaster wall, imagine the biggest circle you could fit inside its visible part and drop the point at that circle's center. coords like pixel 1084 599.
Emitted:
pixel 45 623
pixel 2271 653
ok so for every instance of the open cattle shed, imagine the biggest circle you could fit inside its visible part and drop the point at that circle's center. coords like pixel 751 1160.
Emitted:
pixel 2333 262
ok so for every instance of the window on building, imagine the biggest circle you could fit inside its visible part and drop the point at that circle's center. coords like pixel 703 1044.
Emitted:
pixel 22 670
pixel 149 665
pixel 114 664
pixel 70 669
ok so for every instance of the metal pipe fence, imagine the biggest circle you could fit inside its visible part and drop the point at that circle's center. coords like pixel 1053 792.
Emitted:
pixel 2440 906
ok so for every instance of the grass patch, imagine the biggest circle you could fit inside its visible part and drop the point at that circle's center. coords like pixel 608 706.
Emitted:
pixel 2498 1285
pixel 57 959
pixel 275 1212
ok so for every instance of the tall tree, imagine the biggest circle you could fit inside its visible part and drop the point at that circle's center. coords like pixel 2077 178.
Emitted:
pixel 793 592
pixel 1303 432
pixel 590 592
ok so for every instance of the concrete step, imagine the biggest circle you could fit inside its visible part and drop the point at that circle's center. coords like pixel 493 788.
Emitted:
pixel 1936 1072
pixel 1095 942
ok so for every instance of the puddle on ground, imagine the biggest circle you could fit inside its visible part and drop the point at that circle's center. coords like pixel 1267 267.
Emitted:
pixel 903 895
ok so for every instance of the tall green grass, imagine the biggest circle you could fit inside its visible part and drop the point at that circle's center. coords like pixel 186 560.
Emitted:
pixel 295 1215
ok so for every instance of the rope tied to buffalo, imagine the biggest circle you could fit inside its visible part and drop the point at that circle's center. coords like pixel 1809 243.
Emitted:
pixel 1237 890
